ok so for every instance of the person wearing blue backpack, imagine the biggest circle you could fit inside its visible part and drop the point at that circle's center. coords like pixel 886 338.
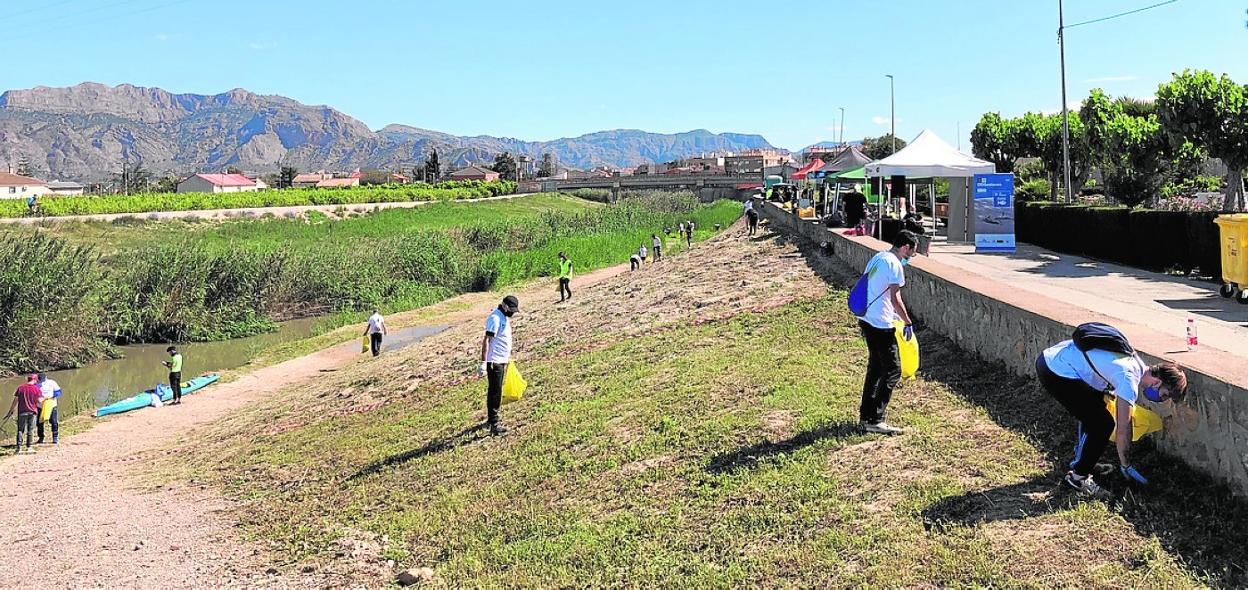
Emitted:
pixel 876 301
pixel 1098 361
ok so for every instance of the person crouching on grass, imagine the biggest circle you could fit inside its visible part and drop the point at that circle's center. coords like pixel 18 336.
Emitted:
pixel 495 354
pixel 885 278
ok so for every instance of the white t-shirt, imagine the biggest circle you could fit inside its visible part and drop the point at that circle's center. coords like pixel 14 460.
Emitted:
pixel 884 270
pixel 658 243
pixel 500 347
pixel 376 324
pixel 1123 372
pixel 642 252
pixel 749 204
pixel 50 388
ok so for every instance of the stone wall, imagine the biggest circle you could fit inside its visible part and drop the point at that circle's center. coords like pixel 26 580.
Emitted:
pixel 1208 430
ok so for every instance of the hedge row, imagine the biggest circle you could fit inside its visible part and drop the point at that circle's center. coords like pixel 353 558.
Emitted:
pixel 1155 240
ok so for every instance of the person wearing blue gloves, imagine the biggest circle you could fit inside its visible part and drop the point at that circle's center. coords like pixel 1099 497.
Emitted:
pixel 886 276
pixel 1079 372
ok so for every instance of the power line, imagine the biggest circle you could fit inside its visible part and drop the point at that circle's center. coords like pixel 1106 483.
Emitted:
pixel 1121 14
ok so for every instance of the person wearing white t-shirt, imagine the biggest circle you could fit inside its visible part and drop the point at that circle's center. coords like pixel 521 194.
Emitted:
pixel 657 242
pixel 885 278
pixel 51 391
pixel 495 355
pixel 1080 380
pixel 375 330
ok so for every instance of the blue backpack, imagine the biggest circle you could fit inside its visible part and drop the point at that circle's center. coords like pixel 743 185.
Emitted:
pixel 1098 336
pixel 858 303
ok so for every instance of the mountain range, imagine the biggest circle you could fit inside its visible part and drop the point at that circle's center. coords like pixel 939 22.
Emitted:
pixel 86 132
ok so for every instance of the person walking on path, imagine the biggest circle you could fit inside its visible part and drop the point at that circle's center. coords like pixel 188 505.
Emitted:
pixel 657 242
pixel 751 217
pixel 885 278
pixel 1080 378
pixel 175 374
pixel 681 228
pixel 641 253
pixel 26 402
pixel 565 277
pixel 375 329
pixel 689 234
pixel 50 390
pixel 495 355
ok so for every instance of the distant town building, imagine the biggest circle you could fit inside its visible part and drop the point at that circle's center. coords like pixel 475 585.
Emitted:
pixel 65 188
pixel 16 186
pixel 217 183
pixel 339 182
pixel 744 166
pixel 310 179
pixel 474 173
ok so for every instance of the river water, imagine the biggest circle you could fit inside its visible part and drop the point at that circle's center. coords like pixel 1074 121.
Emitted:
pixel 86 388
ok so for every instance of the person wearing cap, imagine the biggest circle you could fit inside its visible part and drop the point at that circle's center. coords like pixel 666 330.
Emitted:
pixel 51 390
pixel 26 401
pixel 175 373
pixel 565 277
pixel 1079 380
pixel 495 355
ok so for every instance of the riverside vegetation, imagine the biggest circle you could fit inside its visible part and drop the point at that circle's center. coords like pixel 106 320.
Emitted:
pixel 75 289
pixel 151 202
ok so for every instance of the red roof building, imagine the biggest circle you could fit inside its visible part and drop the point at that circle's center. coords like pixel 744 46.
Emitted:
pixel 217 183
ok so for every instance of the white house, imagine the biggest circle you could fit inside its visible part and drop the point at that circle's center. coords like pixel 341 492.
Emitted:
pixel 217 183
pixel 65 188
pixel 14 186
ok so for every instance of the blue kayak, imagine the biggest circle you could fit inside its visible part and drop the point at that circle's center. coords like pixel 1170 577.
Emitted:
pixel 144 399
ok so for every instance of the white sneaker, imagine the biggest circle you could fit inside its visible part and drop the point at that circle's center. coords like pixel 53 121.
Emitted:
pixel 1084 485
pixel 880 428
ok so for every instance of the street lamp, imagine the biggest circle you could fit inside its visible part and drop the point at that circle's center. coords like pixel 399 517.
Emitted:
pixel 842 139
pixel 892 108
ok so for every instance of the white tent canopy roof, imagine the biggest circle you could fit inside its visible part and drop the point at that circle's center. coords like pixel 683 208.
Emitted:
pixel 928 156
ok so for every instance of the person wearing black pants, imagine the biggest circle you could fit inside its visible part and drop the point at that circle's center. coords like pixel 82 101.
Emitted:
pixel 1086 405
pixel 494 374
pixel 175 373
pixel 883 372
pixel 495 356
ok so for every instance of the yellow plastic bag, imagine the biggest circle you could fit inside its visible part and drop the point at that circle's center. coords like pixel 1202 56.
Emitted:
pixel 908 351
pixel 45 410
pixel 513 384
pixel 1143 420
pixel 364 344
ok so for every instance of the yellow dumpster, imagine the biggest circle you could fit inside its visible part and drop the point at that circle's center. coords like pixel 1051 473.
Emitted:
pixel 1234 233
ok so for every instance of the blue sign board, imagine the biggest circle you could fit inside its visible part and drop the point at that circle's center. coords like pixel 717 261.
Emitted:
pixel 994 212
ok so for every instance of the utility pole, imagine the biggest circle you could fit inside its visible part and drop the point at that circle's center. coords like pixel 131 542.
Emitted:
pixel 892 106
pixel 842 139
pixel 1061 43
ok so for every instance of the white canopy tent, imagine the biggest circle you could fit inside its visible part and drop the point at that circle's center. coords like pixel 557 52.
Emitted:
pixel 930 157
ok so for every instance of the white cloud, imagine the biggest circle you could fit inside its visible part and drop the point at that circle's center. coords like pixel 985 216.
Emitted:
pixel 261 45
pixel 1110 79
pixel 162 37
pixel 883 121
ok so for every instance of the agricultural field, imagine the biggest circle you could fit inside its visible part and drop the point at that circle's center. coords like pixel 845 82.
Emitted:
pixel 78 288
pixel 151 202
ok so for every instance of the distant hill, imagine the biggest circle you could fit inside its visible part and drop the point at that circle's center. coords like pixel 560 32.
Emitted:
pixel 85 132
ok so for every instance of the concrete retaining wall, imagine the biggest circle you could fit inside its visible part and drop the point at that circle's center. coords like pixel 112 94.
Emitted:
pixel 1208 430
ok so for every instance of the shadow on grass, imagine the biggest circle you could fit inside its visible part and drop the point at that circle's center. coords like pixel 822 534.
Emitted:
pixel 1196 518
pixel 755 454
pixel 438 445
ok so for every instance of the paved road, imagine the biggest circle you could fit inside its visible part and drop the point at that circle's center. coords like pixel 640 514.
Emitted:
pixel 1159 301
pixel 249 211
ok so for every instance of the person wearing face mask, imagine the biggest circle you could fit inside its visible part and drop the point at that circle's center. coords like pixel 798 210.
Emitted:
pixel 885 278
pixel 495 354
pixel 1079 377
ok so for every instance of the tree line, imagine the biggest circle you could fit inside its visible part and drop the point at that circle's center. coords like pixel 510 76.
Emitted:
pixel 1136 145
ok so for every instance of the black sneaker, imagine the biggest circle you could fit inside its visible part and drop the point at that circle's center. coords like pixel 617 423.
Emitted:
pixel 497 430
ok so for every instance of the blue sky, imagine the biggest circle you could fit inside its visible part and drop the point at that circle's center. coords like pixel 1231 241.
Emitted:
pixel 542 70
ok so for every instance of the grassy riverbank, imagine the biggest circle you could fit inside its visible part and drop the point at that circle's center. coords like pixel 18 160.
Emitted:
pixel 150 202
pixel 693 425
pixel 145 281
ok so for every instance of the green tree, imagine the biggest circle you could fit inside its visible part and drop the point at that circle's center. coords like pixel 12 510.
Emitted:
pixel 1041 137
pixel 1211 113
pixel 286 176
pixel 547 167
pixel 433 168
pixel 996 140
pixel 166 184
pixel 505 166
pixel 878 148
pixel 133 178
pixel 1131 151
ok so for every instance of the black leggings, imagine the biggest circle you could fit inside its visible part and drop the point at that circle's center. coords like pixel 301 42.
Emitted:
pixel 883 372
pixel 1087 405
pixel 494 374
pixel 175 383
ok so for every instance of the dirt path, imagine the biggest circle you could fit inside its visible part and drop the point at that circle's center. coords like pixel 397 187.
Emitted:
pixel 77 502
pixel 247 211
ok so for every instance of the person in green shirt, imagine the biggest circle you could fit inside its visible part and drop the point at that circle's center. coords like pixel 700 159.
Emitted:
pixel 565 277
pixel 175 373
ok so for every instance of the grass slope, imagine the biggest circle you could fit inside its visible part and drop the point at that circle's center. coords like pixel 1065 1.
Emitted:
pixel 693 425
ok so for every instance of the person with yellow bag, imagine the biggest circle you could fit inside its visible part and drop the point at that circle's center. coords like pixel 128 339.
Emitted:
pixel 47 410
pixel 1098 361
pixel 495 358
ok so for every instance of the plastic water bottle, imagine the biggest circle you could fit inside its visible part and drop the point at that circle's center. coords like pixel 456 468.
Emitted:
pixel 1191 334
